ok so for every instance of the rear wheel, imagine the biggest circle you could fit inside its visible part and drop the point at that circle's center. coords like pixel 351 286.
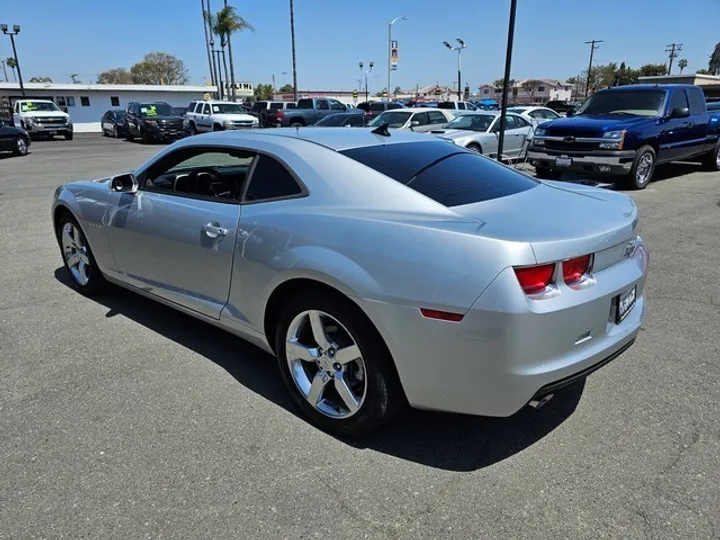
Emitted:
pixel 21 147
pixel 642 169
pixel 547 174
pixel 144 137
pixel 296 124
pixel 335 364
pixel 79 261
pixel 474 148
pixel 711 160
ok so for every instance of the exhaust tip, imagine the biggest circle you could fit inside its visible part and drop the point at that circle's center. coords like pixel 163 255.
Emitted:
pixel 537 403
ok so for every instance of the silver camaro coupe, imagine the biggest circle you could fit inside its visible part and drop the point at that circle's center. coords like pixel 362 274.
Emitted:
pixel 380 268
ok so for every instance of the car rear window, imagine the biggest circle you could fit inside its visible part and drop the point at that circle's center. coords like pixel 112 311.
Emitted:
pixel 446 105
pixel 276 106
pixel 305 104
pixel 442 171
pixel 291 105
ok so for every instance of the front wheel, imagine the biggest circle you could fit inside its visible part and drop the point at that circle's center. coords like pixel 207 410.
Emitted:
pixel 474 148
pixel 642 169
pixel 69 136
pixel 79 261
pixel 335 364
pixel 711 160
pixel 21 147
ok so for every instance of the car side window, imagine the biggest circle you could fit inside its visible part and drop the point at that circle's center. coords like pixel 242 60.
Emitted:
pixel 697 100
pixel 208 173
pixel 511 122
pixel 336 106
pixel 354 120
pixel 206 109
pixel 461 106
pixel 421 118
pixel 271 180
pixel 322 105
pixel 436 117
pixel 520 121
pixel 678 99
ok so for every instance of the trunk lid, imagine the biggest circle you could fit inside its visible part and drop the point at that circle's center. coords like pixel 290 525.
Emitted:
pixel 559 220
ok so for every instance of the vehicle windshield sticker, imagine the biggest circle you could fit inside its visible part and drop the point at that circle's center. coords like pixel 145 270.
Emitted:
pixel 25 107
pixel 150 111
pixel 216 109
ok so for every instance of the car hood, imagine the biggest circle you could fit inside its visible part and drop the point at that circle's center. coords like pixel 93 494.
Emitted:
pixel 456 134
pixel 47 114
pixel 559 220
pixel 237 117
pixel 592 125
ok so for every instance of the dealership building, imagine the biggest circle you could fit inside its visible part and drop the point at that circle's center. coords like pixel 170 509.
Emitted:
pixel 86 103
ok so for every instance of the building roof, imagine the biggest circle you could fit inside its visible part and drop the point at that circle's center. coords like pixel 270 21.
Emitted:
pixel 64 87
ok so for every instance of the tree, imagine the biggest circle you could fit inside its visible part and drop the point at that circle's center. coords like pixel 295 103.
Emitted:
pixel 224 23
pixel 263 91
pixel 41 80
pixel 159 68
pixel 606 75
pixel 702 72
pixel 115 76
pixel 531 86
pixel 653 70
pixel 682 64
pixel 714 63
pixel 285 89
pixel 12 64
pixel 75 79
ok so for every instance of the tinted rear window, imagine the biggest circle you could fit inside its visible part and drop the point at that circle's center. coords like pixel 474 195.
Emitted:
pixel 305 104
pixel 276 106
pixel 291 105
pixel 446 105
pixel 377 107
pixel 442 171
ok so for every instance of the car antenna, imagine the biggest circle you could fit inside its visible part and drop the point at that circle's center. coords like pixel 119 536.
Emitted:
pixel 382 129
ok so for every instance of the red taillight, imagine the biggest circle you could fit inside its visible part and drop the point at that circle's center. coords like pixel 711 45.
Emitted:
pixel 575 269
pixel 279 116
pixel 535 279
pixel 441 315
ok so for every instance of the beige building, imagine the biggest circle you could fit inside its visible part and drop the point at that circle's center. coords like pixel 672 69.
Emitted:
pixel 547 90
pixel 709 83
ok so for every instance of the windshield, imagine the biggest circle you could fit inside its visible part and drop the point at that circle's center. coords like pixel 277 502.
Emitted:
pixel 396 119
pixel 227 108
pixel 156 109
pixel 472 122
pixel 29 106
pixel 631 102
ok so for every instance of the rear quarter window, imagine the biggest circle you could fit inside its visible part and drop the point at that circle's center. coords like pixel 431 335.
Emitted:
pixel 443 172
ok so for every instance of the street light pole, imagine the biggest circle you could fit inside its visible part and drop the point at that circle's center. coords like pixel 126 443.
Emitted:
pixel 506 79
pixel 15 32
pixel 459 49
pixel 396 19
pixel 366 71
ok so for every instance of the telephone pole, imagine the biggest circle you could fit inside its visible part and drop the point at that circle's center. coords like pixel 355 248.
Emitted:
pixel 594 45
pixel 674 50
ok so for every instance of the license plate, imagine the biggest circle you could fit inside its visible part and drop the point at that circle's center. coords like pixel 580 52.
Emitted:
pixel 563 161
pixel 625 303
pixel 52 132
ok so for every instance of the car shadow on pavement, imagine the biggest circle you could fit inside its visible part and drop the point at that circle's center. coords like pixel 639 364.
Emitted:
pixel 445 441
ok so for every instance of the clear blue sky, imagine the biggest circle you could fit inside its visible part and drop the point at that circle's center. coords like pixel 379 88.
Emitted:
pixel 88 36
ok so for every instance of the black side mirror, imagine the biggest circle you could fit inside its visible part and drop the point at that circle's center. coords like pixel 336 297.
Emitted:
pixel 680 112
pixel 569 113
pixel 124 183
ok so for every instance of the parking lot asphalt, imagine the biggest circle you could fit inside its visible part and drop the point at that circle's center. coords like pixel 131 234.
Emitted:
pixel 120 418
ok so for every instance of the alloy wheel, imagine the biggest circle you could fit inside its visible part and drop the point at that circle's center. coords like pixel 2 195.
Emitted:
pixel 644 169
pixel 326 364
pixel 717 158
pixel 75 253
pixel 22 146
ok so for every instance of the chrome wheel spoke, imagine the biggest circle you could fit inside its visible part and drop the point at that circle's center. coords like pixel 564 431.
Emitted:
pixel 318 330
pixel 73 260
pixel 297 350
pixel 317 388
pixel 83 272
pixel 347 354
pixel 345 393
pixel 68 239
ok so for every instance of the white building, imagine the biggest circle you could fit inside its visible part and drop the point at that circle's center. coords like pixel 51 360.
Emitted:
pixel 86 103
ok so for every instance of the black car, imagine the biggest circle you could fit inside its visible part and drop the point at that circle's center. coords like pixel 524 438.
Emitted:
pixel 562 107
pixel 15 140
pixel 113 123
pixel 353 118
pixel 156 121
pixel 374 108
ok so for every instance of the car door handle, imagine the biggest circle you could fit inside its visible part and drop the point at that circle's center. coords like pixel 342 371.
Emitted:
pixel 213 230
pixel 689 124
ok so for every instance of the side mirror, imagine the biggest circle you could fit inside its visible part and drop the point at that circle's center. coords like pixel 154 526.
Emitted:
pixel 569 113
pixel 680 112
pixel 124 183
pixel 2 123
pixel 414 123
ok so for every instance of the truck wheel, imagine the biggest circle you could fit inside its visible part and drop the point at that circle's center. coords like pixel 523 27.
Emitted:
pixel 69 136
pixel 547 174
pixel 711 160
pixel 217 127
pixel 128 134
pixel 296 124
pixel 192 129
pixel 144 137
pixel 642 169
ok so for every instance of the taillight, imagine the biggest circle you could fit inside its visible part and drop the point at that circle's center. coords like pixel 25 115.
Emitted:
pixel 535 279
pixel 575 269
pixel 441 315
pixel 279 116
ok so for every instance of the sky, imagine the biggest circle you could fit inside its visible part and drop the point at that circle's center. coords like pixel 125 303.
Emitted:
pixel 86 37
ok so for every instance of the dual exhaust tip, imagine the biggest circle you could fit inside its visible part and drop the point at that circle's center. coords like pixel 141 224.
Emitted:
pixel 537 403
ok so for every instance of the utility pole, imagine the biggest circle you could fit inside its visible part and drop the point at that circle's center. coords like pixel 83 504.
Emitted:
pixel 390 48
pixel 15 32
pixel 292 39
pixel 674 50
pixel 459 49
pixel 594 45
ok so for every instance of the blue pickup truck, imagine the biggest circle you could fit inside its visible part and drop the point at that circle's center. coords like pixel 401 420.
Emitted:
pixel 626 131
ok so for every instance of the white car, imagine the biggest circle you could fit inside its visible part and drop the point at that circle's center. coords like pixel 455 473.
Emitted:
pixel 42 117
pixel 415 119
pixel 203 116
pixel 535 115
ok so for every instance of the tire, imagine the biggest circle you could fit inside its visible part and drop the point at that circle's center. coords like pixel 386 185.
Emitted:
pixel 144 137
pixel 474 148
pixel 711 160
pixel 21 147
pixel 104 133
pixel 371 378
pixel 69 136
pixel 297 124
pixel 114 132
pixel 217 127
pixel 85 276
pixel 547 174
pixel 128 135
pixel 192 129
pixel 642 169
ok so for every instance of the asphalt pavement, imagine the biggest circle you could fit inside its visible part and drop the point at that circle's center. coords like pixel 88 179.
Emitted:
pixel 123 419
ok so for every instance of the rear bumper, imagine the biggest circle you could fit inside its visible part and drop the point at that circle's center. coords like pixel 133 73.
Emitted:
pixel 509 349
pixel 610 162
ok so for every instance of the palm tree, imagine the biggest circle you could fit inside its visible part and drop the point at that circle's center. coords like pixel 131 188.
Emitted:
pixel 12 64
pixel 682 64
pixel 292 38
pixel 224 23
pixel 207 40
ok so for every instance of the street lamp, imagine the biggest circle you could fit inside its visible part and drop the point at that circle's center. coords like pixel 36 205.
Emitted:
pixel 366 71
pixel 461 45
pixel 15 32
pixel 396 19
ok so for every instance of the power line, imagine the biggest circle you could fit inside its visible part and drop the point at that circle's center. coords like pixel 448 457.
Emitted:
pixel 674 50
pixel 594 45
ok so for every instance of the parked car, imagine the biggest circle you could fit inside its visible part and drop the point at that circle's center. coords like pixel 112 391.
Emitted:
pixel 14 139
pixel 41 117
pixel 478 131
pixel 112 123
pixel 375 108
pixel 412 119
pixel 457 105
pixel 351 118
pixel 205 116
pixel 272 115
pixel 426 105
pixel 152 122
pixel 624 132
pixel 562 107
pixel 535 115
pixel 447 248
pixel 309 111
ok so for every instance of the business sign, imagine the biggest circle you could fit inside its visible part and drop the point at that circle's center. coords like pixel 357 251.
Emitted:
pixel 393 55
